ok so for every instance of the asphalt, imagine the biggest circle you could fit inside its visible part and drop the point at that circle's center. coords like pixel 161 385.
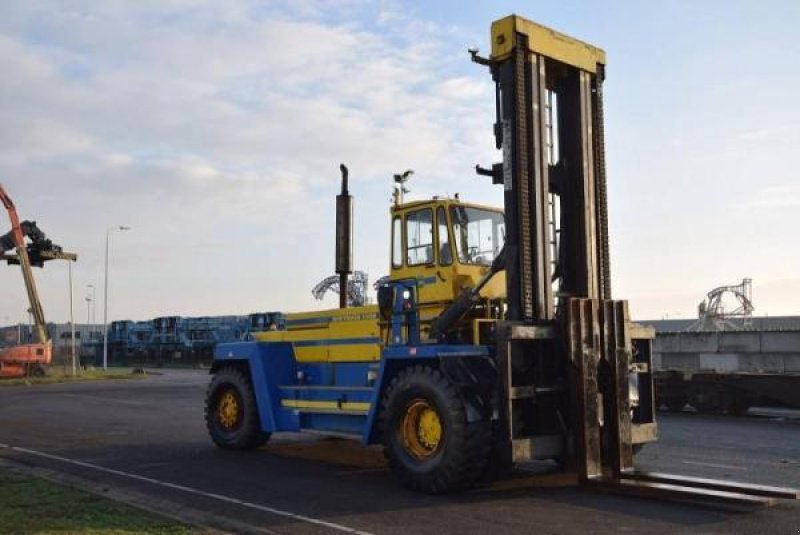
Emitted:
pixel 144 441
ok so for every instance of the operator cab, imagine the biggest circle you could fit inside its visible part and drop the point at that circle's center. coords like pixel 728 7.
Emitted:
pixel 446 245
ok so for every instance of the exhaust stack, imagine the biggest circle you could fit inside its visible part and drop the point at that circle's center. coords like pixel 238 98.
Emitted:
pixel 344 237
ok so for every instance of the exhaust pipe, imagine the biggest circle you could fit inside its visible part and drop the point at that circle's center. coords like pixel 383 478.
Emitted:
pixel 344 237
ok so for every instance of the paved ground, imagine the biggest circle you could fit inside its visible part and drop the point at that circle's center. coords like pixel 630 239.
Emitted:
pixel 145 440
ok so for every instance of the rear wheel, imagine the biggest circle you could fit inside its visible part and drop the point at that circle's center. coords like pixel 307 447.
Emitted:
pixel 428 443
pixel 231 412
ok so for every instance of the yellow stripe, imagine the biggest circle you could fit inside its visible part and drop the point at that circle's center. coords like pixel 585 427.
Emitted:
pixel 328 405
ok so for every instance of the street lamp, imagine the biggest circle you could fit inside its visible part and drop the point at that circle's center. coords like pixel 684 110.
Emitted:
pixel 91 319
pixel 105 296
pixel 72 320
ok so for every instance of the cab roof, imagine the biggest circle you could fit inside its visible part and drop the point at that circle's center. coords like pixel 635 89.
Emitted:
pixel 443 201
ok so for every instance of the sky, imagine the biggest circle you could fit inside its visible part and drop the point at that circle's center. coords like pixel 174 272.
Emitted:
pixel 215 131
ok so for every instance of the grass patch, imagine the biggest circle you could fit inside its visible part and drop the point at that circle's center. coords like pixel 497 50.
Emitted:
pixel 32 505
pixel 60 375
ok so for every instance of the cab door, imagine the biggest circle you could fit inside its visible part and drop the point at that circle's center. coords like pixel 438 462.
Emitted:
pixel 430 254
pixel 420 251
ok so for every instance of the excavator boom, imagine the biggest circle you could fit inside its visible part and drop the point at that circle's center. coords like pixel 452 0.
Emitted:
pixel 20 359
pixel 18 237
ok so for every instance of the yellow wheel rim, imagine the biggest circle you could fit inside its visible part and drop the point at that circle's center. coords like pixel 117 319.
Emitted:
pixel 422 429
pixel 228 409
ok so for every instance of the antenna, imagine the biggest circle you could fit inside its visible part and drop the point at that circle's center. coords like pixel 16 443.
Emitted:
pixel 399 185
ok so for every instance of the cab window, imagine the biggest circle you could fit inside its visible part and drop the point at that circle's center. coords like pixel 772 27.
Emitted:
pixel 419 237
pixel 397 242
pixel 479 234
pixel 445 249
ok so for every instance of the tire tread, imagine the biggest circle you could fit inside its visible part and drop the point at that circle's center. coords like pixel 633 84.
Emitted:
pixel 463 461
pixel 250 436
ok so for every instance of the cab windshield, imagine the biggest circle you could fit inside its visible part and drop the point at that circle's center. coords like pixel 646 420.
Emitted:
pixel 479 234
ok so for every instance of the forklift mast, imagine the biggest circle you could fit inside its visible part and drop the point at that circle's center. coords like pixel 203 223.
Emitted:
pixel 567 349
pixel 550 130
pixel 574 367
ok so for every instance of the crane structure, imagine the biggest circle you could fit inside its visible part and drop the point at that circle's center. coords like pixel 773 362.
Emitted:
pixel 712 315
pixel 495 340
pixel 27 359
pixel 357 288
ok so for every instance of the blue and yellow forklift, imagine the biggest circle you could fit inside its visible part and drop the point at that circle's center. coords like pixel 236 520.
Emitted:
pixel 495 339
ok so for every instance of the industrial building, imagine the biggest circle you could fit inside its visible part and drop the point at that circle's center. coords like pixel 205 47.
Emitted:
pixel 727 370
pixel 757 323
pixel 169 340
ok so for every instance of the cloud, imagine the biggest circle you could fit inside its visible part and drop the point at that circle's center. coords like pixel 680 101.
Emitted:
pixel 215 131
pixel 777 197
pixel 776 133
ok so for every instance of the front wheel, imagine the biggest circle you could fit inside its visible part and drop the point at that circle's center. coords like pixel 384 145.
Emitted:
pixel 428 443
pixel 231 412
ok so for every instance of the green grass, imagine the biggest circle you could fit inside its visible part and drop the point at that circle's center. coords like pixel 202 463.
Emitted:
pixel 60 375
pixel 30 505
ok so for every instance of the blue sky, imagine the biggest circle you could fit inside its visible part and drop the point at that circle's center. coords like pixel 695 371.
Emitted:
pixel 215 130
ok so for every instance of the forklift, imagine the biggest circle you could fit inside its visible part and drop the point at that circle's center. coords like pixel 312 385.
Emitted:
pixel 495 339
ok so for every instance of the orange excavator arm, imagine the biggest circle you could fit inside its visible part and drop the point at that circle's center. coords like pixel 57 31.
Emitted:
pixel 18 238
pixel 25 359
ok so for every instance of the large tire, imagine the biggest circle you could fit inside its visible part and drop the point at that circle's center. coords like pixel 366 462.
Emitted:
pixel 231 412
pixel 428 443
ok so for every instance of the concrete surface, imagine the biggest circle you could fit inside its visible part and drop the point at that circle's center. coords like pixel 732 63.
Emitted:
pixel 145 441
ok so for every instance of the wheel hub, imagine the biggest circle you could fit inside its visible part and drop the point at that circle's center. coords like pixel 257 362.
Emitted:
pixel 422 429
pixel 228 409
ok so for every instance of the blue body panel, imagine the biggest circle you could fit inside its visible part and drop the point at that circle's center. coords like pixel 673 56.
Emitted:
pixel 270 365
pixel 277 377
pixel 337 397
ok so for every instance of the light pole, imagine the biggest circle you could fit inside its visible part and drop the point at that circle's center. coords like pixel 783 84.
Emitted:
pixel 88 300
pixel 72 319
pixel 105 297
pixel 94 306
pixel 91 320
